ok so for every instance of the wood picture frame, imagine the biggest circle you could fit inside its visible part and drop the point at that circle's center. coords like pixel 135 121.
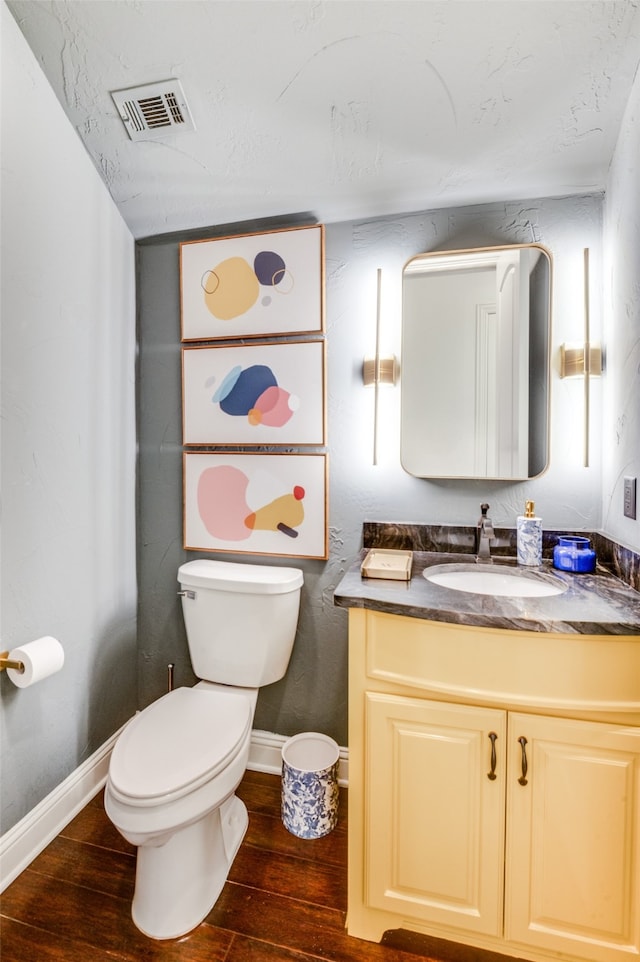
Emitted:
pixel 252 285
pixel 256 503
pixel 254 394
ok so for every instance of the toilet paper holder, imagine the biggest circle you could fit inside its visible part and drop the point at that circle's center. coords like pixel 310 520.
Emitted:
pixel 6 662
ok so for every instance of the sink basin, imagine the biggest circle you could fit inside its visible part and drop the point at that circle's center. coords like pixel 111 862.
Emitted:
pixel 489 580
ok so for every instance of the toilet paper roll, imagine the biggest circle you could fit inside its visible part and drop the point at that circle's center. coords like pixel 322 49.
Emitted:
pixel 40 658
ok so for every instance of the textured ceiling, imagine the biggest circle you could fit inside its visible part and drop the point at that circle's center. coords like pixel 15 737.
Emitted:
pixel 338 108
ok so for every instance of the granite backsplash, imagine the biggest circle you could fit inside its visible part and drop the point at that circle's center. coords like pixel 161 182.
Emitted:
pixel 620 561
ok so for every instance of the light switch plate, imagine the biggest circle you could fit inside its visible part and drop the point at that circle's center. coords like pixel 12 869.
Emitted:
pixel 630 485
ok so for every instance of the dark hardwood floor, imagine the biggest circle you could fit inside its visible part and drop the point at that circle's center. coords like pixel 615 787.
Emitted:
pixel 285 900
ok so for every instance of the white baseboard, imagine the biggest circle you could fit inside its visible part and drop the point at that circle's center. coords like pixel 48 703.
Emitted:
pixel 22 843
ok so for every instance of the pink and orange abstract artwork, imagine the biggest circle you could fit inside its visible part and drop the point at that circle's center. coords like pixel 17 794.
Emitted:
pixel 256 503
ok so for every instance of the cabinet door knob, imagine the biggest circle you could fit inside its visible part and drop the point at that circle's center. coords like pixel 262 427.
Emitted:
pixel 523 745
pixel 492 774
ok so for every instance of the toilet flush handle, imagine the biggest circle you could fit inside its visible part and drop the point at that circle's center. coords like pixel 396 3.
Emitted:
pixel 187 593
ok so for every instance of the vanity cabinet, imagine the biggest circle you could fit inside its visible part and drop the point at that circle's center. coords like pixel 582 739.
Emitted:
pixel 573 838
pixel 434 821
pixel 485 808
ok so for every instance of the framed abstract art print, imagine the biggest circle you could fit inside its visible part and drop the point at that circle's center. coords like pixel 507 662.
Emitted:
pixel 274 504
pixel 254 394
pixel 253 285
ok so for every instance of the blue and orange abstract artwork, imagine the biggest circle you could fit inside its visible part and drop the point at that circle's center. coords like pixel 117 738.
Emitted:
pixel 254 393
pixel 266 393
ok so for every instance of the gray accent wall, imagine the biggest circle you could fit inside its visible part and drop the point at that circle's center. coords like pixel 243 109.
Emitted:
pixel 313 695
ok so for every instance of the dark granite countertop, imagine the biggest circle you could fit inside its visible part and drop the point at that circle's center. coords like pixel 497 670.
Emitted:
pixel 593 604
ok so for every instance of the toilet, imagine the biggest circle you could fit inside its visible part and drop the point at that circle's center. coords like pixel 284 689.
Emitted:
pixel 175 768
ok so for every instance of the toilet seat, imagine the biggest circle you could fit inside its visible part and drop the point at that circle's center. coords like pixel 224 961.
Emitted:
pixel 177 744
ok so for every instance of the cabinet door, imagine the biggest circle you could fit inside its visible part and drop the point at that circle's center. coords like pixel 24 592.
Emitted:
pixel 434 822
pixel 573 837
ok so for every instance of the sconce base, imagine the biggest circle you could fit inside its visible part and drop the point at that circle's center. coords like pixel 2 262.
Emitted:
pixel 572 358
pixel 388 370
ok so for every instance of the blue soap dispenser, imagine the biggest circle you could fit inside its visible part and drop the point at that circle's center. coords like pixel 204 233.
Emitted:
pixel 529 537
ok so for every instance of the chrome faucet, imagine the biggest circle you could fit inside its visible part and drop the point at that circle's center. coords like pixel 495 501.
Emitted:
pixel 484 536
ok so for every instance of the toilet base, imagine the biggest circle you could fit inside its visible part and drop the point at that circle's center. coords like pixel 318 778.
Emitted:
pixel 178 883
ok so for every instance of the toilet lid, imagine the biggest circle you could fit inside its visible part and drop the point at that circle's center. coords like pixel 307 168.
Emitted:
pixel 182 739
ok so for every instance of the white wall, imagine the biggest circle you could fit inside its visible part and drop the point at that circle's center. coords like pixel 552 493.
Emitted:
pixel 68 438
pixel 621 434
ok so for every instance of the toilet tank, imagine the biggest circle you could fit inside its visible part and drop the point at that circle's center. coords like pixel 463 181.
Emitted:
pixel 240 619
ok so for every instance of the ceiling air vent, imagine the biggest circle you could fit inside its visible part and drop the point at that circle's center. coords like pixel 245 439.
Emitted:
pixel 154 110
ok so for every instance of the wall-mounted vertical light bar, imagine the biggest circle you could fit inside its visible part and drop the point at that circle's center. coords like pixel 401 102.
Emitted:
pixel 376 370
pixel 583 360
pixel 379 370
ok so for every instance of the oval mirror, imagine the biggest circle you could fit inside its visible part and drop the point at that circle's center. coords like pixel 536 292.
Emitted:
pixel 476 335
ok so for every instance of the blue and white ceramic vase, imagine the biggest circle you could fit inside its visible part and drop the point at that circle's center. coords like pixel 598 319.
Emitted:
pixel 310 785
